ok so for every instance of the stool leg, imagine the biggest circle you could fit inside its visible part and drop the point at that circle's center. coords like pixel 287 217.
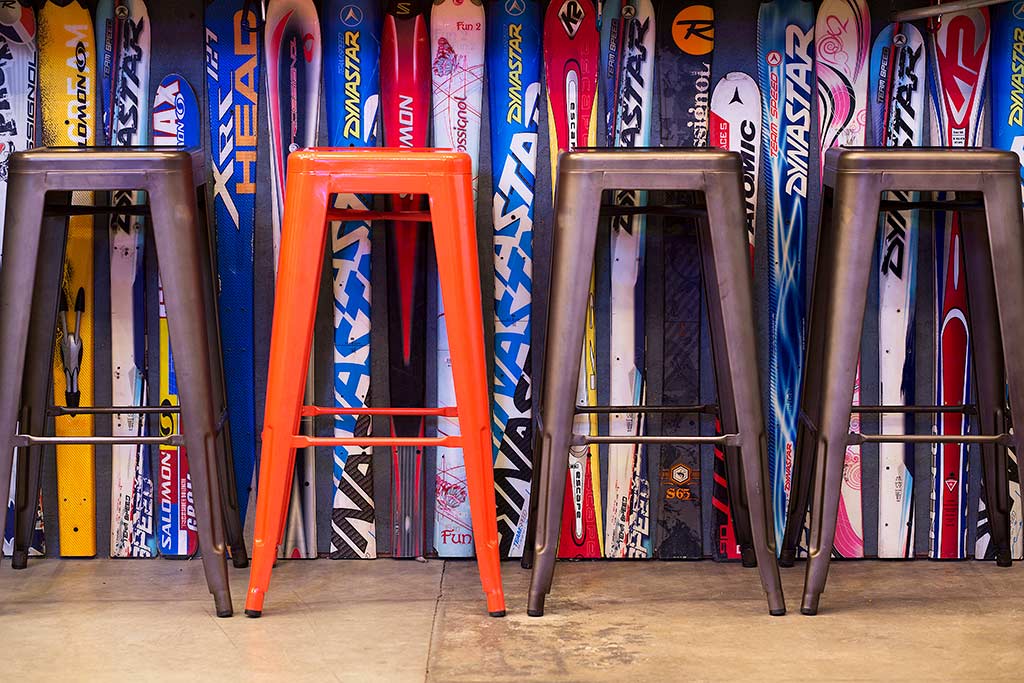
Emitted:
pixel 454 229
pixel 725 260
pixel 303 241
pixel 177 236
pixel 21 244
pixel 577 209
pixel 853 223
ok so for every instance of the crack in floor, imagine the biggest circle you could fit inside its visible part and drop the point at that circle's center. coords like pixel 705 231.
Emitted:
pixel 433 619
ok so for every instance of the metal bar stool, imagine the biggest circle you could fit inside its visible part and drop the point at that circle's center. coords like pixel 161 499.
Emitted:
pixel 725 256
pixel 39 204
pixel 987 184
pixel 313 176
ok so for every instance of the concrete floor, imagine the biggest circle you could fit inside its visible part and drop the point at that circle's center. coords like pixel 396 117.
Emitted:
pixel 407 621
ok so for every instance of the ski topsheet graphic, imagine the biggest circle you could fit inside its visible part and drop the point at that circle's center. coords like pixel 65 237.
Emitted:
pixel 1008 133
pixel 123 29
pixel 898 66
pixel 685 43
pixel 232 86
pixel 959 63
pixel 457 74
pixel 785 46
pixel 513 72
pixel 352 81
pixel 18 97
pixel 571 51
pixel 735 124
pixel 176 123
pixel 842 57
pixel 292 36
pixel 405 115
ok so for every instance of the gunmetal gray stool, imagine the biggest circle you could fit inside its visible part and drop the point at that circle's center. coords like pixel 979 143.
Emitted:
pixel 40 183
pixel 987 186
pixel 725 256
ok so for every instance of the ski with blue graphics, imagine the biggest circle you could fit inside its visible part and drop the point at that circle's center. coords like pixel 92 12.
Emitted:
pixel 785 49
pixel 897 106
pixel 176 124
pixel 1007 79
pixel 513 71
pixel 123 32
pixel 457 78
pixel 232 87
pixel 352 91
pixel 292 44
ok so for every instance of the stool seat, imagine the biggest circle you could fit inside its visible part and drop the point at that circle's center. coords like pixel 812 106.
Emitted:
pixel 659 166
pixel 920 168
pixel 106 168
pixel 363 164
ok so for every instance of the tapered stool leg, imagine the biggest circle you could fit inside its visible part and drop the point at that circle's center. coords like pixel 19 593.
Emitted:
pixel 575 237
pixel 454 229
pixel 303 241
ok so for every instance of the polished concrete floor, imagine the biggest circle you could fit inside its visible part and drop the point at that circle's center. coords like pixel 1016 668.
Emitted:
pixel 409 621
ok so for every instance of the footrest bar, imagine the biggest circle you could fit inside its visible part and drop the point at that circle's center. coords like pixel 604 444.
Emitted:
pixel 51 210
pixel 662 210
pixel 59 411
pixel 720 440
pixel 319 411
pixel 606 410
pixel 26 440
pixel 930 205
pixel 1001 439
pixel 300 441
pixel 357 215
pixel 877 410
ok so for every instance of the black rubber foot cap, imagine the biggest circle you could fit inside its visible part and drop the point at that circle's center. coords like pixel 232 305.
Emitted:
pixel 535 612
pixel 498 613
pixel 19 560
pixel 224 614
pixel 807 611
pixel 1004 560
pixel 240 564
pixel 526 564
pixel 777 612
pixel 748 557
pixel 787 558
pixel 254 613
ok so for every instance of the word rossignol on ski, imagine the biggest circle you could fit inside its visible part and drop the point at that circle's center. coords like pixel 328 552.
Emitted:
pixel 571 53
pixel 685 44
pixel 176 123
pixel 959 63
pixel 842 58
pixel 1008 133
pixel 735 124
pixel 352 79
pixel 628 532
pixel 898 72
pixel 785 47
pixel 513 71
pixel 405 113
pixel 123 29
pixel 232 88
pixel 292 36
pixel 18 68
pixel 457 76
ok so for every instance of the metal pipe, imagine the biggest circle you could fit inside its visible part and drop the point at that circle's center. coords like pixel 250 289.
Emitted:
pixel 660 410
pixel 939 10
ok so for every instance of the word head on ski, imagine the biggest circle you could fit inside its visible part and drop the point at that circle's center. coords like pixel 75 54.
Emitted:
pixel 123 29
pixel 735 125
pixel 571 65
pixel 232 88
pixel 785 50
pixel 685 45
pixel 292 37
pixel 897 92
pixel 405 114
pixel 19 70
pixel 176 124
pixel 842 58
pixel 1008 133
pixel 513 51
pixel 457 75
pixel 959 64
pixel 352 82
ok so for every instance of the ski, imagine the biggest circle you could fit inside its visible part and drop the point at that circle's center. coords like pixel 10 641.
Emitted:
pixel 405 113
pixel 18 112
pixel 685 44
pixel 457 75
pixel 959 62
pixel 898 73
pixel 352 83
pixel 513 52
pixel 292 37
pixel 1007 133
pixel 176 123
pixel 123 29
pixel 735 124
pixel 232 87
pixel 571 53
pixel 842 58
pixel 785 47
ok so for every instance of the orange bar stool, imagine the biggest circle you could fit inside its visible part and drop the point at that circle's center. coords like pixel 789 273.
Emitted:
pixel 313 176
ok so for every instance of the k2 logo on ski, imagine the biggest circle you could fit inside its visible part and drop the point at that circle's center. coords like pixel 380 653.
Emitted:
pixel 571 15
